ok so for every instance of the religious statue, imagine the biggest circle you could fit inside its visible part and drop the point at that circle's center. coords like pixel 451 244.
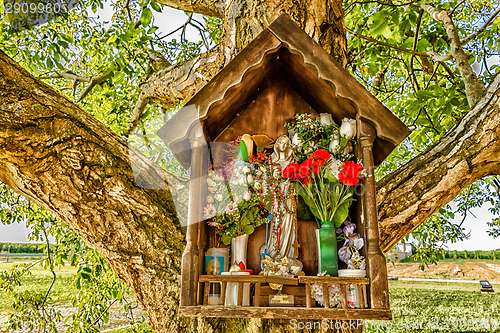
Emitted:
pixel 281 240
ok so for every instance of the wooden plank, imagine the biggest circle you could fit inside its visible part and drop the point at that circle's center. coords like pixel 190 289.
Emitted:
pixel 309 299
pixel 206 293
pixel 361 297
pixel 291 290
pixel 326 295
pixel 257 294
pixel 249 279
pixel 240 294
pixel 298 301
pixel 343 294
pixel 223 292
pixel 333 279
pixel 284 312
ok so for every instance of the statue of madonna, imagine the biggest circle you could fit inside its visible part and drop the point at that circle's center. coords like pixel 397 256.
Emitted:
pixel 283 223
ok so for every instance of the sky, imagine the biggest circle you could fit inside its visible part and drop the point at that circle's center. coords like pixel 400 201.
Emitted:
pixel 475 223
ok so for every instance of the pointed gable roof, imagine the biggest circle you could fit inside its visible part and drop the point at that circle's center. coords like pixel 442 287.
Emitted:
pixel 286 50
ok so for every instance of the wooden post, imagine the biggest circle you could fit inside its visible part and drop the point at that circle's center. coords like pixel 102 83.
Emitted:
pixel 190 257
pixel 375 260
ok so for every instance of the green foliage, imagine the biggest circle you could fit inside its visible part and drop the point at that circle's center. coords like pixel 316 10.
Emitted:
pixel 429 238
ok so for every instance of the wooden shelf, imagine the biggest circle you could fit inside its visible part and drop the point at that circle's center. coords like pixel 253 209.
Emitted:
pixel 284 312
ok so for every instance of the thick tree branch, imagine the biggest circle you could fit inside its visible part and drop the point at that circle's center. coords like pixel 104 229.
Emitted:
pixel 59 156
pixel 176 84
pixel 481 30
pixel 205 7
pixel 473 86
pixel 468 152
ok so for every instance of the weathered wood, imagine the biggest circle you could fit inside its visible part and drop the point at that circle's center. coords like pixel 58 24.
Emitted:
pixel 206 293
pixel 333 280
pixel 223 293
pixel 190 258
pixel 257 294
pixel 343 295
pixel 361 296
pixel 309 299
pixel 240 293
pixel 285 312
pixel 375 260
pixel 326 295
pixel 249 279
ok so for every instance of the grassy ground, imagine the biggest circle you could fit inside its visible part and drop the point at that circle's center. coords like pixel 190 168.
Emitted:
pixel 38 282
pixel 416 306
pixel 440 307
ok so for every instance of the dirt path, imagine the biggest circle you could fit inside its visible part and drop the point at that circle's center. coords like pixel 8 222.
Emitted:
pixel 467 270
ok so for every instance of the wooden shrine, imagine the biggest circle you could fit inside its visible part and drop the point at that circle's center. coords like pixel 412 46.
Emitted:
pixel 281 73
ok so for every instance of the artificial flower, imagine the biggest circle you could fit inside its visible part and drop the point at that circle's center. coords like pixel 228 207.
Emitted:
pixel 325 119
pixel 290 170
pixel 247 195
pixel 219 197
pixel 348 128
pixel 321 154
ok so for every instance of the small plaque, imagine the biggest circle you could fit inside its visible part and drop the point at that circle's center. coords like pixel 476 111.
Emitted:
pixel 281 300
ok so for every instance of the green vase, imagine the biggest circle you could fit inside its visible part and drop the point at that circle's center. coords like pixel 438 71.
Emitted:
pixel 327 249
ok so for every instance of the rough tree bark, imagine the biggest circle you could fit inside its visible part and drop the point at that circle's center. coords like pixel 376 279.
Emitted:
pixel 57 155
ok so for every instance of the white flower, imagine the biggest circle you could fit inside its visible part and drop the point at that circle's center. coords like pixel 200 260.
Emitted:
pixel 246 169
pixel 348 128
pixel 257 185
pixel 334 167
pixel 250 179
pixel 247 195
pixel 334 145
pixel 283 269
pixel 210 182
pixel 325 119
pixel 218 197
pixel 296 140
pixel 294 269
pixel 210 199
pixel 241 181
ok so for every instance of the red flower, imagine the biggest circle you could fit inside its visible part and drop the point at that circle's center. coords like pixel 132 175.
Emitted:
pixel 307 180
pixel 318 163
pixel 351 169
pixel 315 170
pixel 305 167
pixel 320 154
pixel 348 180
pixel 290 170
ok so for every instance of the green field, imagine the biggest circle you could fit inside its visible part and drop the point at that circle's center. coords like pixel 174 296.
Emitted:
pixel 38 282
pixel 427 306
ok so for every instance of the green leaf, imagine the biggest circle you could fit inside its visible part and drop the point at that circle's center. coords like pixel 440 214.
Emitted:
pixel 155 6
pixel 146 17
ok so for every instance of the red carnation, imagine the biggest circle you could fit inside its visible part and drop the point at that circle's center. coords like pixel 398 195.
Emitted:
pixel 321 154
pixel 290 170
pixel 307 180
pixel 318 163
pixel 305 167
pixel 351 169
pixel 348 180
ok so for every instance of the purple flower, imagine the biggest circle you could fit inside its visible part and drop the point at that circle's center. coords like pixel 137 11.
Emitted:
pixel 349 228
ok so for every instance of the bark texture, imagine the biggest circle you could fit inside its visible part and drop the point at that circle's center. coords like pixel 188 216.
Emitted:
pixel 57 155
pixel 468 152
